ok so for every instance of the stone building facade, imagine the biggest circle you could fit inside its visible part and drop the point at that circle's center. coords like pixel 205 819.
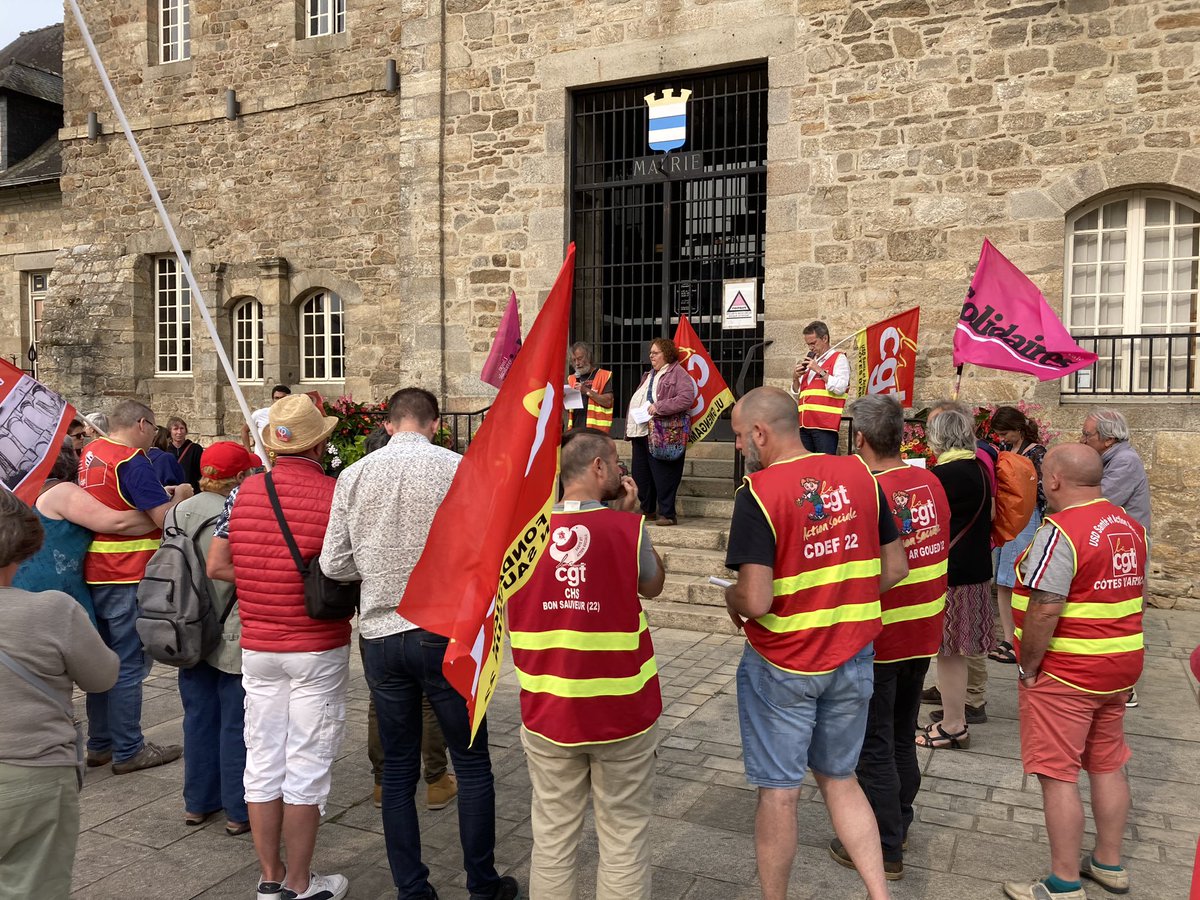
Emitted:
pixel 898 134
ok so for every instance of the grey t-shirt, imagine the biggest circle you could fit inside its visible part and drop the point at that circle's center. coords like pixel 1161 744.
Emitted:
pixel 50 634
pixel 1049 566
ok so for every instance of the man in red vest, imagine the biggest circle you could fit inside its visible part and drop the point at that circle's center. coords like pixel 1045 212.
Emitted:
pixel 820 382
pixel 116 471
pixel 589 682
pixel 295 670
pixel 912 627
pixel 1077 607
pixel 808 596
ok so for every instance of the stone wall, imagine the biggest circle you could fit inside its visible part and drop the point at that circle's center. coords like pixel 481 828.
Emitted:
pixel 30 236
pixel 901 133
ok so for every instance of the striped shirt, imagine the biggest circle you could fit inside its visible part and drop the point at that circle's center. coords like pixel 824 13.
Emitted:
pixel 1049 566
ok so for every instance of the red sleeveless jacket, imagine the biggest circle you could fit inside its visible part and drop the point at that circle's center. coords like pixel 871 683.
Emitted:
pixel 270 592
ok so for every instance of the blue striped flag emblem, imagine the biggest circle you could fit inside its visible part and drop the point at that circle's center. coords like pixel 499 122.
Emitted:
pixel 668 120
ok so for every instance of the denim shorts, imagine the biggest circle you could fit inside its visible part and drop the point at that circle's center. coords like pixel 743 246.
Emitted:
pixel 793 722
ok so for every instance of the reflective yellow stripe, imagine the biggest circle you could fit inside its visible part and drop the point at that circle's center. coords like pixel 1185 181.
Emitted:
pixel 916 611
pixel 565 639
pixel 924 573
pixel 122 546
pixel 1087 610
pixel 820 618
pixel 588 687
pixel 865 568
pixel 819 392
pixel 813 407
pixel 1093 646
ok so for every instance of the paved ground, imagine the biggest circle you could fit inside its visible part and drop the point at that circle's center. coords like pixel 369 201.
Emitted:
pixel 979 818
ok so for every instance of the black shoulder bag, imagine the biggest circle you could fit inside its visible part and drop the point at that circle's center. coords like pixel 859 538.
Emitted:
pixel 324 598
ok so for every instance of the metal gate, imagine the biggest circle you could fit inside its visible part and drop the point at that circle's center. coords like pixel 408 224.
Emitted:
pixel 656 234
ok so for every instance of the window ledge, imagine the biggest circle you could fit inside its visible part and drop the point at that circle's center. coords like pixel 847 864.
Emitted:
pixel 325 43
pixel 155 71
pixel 1128 399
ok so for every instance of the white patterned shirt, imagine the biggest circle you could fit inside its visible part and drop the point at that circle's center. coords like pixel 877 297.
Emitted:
pixel 383 507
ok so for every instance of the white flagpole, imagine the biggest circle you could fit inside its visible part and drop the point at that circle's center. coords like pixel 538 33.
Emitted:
pixel 197 296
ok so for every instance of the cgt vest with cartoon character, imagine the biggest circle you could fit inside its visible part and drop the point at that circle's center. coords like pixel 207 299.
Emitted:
pixel 914 609
pixel 1097 644
pixel 113 558
pixel 824 511
pixel 580 641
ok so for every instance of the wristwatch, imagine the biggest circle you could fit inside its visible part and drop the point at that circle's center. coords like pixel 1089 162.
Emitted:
pixel 1022 675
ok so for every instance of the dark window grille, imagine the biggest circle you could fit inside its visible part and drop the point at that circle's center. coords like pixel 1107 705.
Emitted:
pixel 631 285
pixel 1159 364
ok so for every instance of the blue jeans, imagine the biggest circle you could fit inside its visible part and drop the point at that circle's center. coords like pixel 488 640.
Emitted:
pixel 115 716
pixel 400 668
pixel 819 440
pixel 214 747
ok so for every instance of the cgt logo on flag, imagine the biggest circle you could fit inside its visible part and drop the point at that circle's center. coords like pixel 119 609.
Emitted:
pixel 668 119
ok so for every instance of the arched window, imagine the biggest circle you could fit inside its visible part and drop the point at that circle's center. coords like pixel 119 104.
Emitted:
pixel 322 338
pixel 1133 261
pixel 248 340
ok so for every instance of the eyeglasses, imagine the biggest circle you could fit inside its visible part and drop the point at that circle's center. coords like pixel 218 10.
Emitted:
pixel 147 421
pixel 1088 435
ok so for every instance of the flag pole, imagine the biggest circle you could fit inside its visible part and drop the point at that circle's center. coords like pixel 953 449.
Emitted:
pixel 197 296
pixel 957 381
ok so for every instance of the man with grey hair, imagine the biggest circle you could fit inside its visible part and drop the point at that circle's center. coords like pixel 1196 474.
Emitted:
pixel 1125 482
pixel 596 387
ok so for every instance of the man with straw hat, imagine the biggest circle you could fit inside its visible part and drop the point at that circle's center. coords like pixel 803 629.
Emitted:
pixel 295 669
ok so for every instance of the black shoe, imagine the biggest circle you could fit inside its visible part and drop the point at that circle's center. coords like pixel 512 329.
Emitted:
pixel 976 715
pixel 932 695
pixel 506 889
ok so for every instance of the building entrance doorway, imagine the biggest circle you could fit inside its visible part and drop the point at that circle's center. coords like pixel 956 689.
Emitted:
pixel 658 235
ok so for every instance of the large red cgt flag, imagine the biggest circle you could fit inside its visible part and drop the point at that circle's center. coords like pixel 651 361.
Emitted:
pixel 1007 324
pixel 495 520
pixel 33 420
pixel 887 356
pixel 712 393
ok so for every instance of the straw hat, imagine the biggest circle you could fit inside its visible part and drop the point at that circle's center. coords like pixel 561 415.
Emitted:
pixel 294 424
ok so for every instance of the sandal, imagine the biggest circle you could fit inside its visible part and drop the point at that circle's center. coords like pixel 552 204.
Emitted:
pixel 1004 654
pixel 934 737
pixel 233 829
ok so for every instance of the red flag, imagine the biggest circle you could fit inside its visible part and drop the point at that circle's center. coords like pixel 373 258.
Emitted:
pixel 505 345
pixel 495 521
pixel 712 393
pixel 33 420
pixel 887 356
pixel 1007 324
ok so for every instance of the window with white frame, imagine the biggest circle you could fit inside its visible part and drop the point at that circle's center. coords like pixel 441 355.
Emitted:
pixel 322 338
pixel 37 286
pixel 172 318
pixel 248 340
pixel 1133 262
pixel 326 17
pixel 174 30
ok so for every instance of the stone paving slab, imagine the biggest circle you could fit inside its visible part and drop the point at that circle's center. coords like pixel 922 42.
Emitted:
pixel 979 818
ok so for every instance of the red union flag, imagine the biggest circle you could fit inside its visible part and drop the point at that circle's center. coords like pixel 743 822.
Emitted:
pixel 887 356
pixel 1007 324
pixel 33 420
pixel 712 393
pixel 495 521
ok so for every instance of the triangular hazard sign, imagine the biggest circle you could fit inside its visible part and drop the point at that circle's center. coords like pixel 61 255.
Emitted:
pixel 739 304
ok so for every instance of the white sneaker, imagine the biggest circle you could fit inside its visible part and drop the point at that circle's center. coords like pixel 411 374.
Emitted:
pixel 1132 702
pixel 320 887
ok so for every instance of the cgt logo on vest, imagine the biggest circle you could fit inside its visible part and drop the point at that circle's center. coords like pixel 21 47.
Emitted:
pixel 567 548
pixel 1124 555
pixel 824 499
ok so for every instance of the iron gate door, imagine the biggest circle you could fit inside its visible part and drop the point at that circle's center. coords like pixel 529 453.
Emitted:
pixel 656 234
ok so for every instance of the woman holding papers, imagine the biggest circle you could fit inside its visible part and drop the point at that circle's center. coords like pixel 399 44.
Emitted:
pixel 657 425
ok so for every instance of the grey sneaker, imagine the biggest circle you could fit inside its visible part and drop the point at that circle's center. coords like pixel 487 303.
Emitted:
pixel 1115 881
pixel 148 757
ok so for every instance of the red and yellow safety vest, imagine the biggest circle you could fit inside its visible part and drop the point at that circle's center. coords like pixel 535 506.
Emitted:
pixel 597 416
pixel 824 511
pixel 113 558
pixel 819 409
pixel 1097 645
pixel 580 642
pixel 914 609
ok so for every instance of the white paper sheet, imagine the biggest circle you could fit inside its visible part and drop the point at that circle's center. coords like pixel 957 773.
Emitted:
pixel 640 414
pixel 572 399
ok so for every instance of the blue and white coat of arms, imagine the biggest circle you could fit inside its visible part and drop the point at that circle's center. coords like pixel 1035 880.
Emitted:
pixel 668 119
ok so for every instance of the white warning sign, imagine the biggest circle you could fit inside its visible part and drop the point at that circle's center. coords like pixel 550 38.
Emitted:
pixel 739 306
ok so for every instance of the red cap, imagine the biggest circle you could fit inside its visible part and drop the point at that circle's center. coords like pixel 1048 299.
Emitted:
pixel 225 459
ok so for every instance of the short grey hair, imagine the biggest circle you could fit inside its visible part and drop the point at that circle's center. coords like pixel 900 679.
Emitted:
pixel 1110 425
pixel 956 405
pixel 128 413
pixel 951 429
pixel 98 421
pixel 586 348
pixel 880 420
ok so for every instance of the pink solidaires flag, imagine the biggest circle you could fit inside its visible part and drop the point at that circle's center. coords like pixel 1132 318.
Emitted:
pixel 1007 324
pixel 505 345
